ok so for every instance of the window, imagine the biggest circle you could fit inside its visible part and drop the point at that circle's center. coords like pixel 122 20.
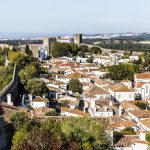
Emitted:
pixel 119 95
pixel 130 95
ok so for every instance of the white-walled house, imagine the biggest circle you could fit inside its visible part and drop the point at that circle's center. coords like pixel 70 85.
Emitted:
pixel 97 92
pixel 141 143
pixel 138 115
pixel 145 91
pixel 141 78
pixel 133 57
pixel 68 112
pixel 145 124
pixel 57 84
pixel 126 106
pixel 120 125
pixel 75 75
pixel 125 143
pixel 103 60
pixel 93 94
pixel 81 59
pixel 73 102
pixel 38 102
pixel 132 142
pixel 55 93
pixel 121 92
pixel 99 73
pixel 127 83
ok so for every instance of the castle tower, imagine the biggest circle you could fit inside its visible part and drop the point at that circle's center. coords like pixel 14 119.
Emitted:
pixel 49 44
pixel 77 39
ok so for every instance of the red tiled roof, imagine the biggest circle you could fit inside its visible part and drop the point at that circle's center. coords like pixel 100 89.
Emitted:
pixel 146 122
pixel 123 124
pixel 126 141
pixel 145 75
pixel 94 90
pixel 128 105
pixel 40 99
pixel 120 88
pixel 140 113
pixel 141 142
pixel 139 84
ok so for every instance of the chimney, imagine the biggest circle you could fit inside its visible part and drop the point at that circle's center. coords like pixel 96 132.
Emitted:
pixel 44 96
pixel 30 97
pixel 105 108
pixel 120 111
pixel 110 103
pixel 110 120
pixel 142 136
pixel 9 100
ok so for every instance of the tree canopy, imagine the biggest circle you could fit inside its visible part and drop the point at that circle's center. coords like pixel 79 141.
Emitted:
pixel 62 49
pixel 96 50
pixel 72 133
pixel 6 75
pixel 67 49
pixel 75 86
pixel 17 57
pixel 36 87
pixel 122 71
pixel 129 46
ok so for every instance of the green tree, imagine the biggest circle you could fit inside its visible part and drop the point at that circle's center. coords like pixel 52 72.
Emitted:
pixel 52 113
pixel 128 131
pixel 86 134
pixel 36 87
pixel 96 50
pixel 74 48
pixel 62 135
pixel 81 54
pixel 83 48
pixel 142 105
pixel 27 50
pixel 148 137
pixel 61 49
pixel 17 57
pixel 122 71
pixel 31 71
pixel 19 119
pixel 6 75
pixel 75 86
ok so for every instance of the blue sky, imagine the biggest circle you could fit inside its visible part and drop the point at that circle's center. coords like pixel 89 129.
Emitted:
pixel 74 16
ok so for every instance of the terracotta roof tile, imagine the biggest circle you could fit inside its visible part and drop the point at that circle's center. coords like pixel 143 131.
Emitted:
pixel 146 122
pixel 126 141
pixel 140 113
pixel 128 105
pixel 74 111
pixel 145 75
pixel 39 99
pixel 123 124
pixel 120 88
pixel 94 90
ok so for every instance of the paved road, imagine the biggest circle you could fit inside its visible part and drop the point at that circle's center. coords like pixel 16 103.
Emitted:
pixel 3 135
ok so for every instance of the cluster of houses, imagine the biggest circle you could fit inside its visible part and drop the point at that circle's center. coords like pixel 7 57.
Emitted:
pixel 100 98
